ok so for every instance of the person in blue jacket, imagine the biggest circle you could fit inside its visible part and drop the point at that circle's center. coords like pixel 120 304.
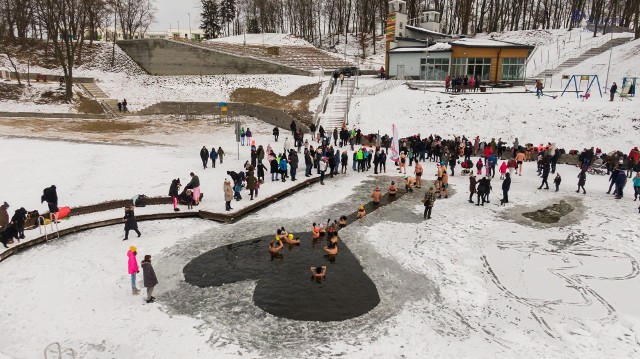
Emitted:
pixel 282 166
pixel 214 156
pixel 621 181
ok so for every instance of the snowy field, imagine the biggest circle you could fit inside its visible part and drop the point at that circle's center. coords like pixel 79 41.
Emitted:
pixel 570 122
pixel 474 281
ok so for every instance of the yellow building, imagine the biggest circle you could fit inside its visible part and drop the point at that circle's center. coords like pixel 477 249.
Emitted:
pixel 492 60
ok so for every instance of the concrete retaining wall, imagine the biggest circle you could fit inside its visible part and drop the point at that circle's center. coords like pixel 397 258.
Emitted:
pixel 50 78
pixel 52 115
pixel 269 115
pixel 166 57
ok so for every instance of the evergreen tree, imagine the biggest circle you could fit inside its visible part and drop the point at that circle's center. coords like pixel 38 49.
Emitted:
pixel 210 19
pixel 227 12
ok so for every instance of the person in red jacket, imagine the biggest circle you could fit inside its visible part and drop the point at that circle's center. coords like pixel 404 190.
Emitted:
pixel 487 153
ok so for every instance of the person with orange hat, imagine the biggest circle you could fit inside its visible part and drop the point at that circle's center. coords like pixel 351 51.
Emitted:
pixel 361 212
pixel 376 195
pixel 133 268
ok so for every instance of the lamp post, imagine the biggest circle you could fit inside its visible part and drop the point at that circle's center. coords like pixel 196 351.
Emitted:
pixel 606 85
pixel 189 14
pixel 179 34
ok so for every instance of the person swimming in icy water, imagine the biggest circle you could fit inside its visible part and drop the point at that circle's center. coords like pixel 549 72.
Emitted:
pixel 342 222
pixel 290 239
pixel 318 273
pixel 275 246
pixel 332 247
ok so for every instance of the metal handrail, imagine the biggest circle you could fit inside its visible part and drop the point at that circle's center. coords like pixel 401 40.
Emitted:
pixel 575 53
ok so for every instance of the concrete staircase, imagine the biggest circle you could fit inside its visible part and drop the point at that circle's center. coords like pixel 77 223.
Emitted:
pixel 335 111
pixel 305 58
pixel 587 55
pixel 94 90
pixel 109 105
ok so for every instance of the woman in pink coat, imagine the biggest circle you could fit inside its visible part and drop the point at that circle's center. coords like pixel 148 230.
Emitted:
pixel 133 268
pixel 503 169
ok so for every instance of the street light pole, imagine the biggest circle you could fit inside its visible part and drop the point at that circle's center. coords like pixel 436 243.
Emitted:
pixel 189 14
pixel 606 85
pixel 179 33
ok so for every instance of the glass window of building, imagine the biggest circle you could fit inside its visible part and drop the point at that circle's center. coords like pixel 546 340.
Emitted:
pixel 512 69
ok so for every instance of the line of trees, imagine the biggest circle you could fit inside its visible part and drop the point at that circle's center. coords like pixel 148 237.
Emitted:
pixel 320 21
pixel 67 24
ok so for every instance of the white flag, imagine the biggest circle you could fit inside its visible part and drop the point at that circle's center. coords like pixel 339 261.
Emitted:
pixel 395 147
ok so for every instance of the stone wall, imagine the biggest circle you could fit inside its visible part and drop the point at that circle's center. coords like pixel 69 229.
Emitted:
pixel 269 115
pixel 167 57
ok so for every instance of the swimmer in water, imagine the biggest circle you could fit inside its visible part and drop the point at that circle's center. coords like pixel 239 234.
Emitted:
pixel 332 231
pixel 331 248
pixel 392 189
pixel 291 240
pixel 376 195
pixel 318 272
pixel 342 222
pixel 361 212
pixel 282 234
pixel 275 246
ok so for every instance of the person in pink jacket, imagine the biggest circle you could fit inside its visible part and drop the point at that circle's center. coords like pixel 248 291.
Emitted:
pixel 503 169
pixel 133 268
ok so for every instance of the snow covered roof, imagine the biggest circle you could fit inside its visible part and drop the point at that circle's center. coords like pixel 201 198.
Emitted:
pixel 408 49
pixel 488 43
pixel 425 31
pixel 439 47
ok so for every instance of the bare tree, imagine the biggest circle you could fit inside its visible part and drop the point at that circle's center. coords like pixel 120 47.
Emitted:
pixel 135 16
pixel 65 23
pixel 7 51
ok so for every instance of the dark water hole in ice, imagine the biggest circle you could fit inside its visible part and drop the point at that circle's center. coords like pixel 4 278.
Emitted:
pixel 284 284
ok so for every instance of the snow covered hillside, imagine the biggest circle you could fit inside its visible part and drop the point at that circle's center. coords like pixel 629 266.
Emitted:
pixel 570 122
pixel 553 46
pixel 624 63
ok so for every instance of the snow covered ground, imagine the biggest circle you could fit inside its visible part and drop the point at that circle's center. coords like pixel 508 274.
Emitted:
pixel 553 46
pixel 471 282
pixel 623 64
pixel 570 122
pixel 101 167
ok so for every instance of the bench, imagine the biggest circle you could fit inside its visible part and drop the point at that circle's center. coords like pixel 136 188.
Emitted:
pixel 41 77
pixel 461 88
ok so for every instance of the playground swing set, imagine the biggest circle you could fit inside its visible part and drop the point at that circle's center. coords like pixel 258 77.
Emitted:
pixel 627 90
pixel 576 80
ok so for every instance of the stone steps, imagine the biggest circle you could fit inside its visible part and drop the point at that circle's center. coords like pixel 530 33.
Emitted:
pixel 585 56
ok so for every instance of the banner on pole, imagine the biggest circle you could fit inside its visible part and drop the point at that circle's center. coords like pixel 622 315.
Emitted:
pixel 395 147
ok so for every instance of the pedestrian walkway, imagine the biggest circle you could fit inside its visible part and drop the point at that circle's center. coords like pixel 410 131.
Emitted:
pixel 108 104
pixel 336 110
